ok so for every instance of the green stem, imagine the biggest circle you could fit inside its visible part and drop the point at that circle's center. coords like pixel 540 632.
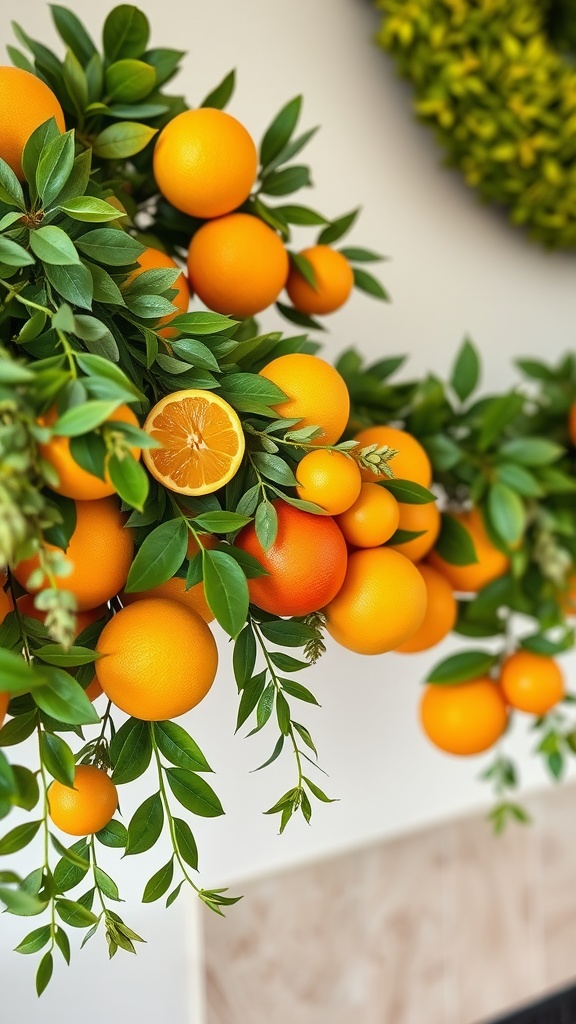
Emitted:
pixel 166 804
pixel 69 352
pixel 275 680
pixel 46 866
pixel 13 293
pixel 96 885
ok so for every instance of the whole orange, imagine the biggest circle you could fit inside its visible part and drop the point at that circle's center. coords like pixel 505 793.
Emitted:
pixel 464 719
pixel 381 604
pixel 372 519
pixel 334 280
pixel 532 682
pixel 159 659
pixel 74 481
pixel 205 162
pixel 306 563
pixel 440 616
pixel 411 463
pixel 329 479
pixel 423 519
pixel 154 259
pixel 317 394
pixel 175 590
pixel 27 607
pixel 86 808
pixel 26 103
pixel 490 565
pixel 237 265
pixel 100 550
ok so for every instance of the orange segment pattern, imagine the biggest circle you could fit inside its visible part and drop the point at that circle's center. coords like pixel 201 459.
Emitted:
pixel 199 443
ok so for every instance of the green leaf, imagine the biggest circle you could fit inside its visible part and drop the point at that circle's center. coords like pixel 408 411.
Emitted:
pixel 286 181
pixel 10 188
pixel 63 943
pixel 52 245
pixel 80 419
pixel 21 903
pixel 265 705
pixel 28 792
pixel 519 479
pixel 220 522
pixel 179 748
pixel 298 691
pixel 194 793
pixel 64 699
pixel 19 837
pixel 13 254
pixel 130 751
pixel 266 523
pixel 300 215
pixel 72 32
pixel 18 729
pixel 369 284
pixel 126 32
pixel 114 835
pixel 159 557
pixel 54 167
pixel 274 468
pixel 219 96
pixel 110 246
pixel 16 674
pixel 251 694
pixel 72 282
pixel 286 663
pixel 318 793
pixel 145 825
pixel 121 140
pixel 506 513
pixel 76 83
pixel 106 884
pixel 159 883
pixel 35 940
pixel 57 758
pixel 355 255
pixel 287 632
pixel 202 322
pixel 186 843
pixel 337 228
pixel 226 590
pixel 455 545
pixel 77 854
pixel 244 656
pixel 531 451
pixel 275 753
pixel 409 493
pixel 75 914
pixel 130 480
pixel 89 209
pixel 280 131
pixel 459 668
pixel 44 973
pixel 283 714
pixel 54 654
pixel 466 373
pixel 496 415
pixel 129 80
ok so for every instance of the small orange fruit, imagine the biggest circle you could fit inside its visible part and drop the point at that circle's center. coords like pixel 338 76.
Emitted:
pixel 100 550
pixel 441 613
pixel 372 519
pixel 154 259
pixel 423 519
pixel 74 481
pixel 27 102
pixel 86 808
pixel 380 605
pixel 205 162
pixel 328 479
pixel 175 590
pixel 159 659
pixel 306 563
pixel 202 442
pixel 237 265
pixel 411 463
pixel 532 682
pixel 464 719
pixel 334 281
pixel 317 394
pixel 490 565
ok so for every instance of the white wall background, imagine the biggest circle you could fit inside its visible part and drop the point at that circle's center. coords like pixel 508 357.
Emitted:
pixel 457 268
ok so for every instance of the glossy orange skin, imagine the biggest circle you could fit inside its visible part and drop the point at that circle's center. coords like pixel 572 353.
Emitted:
pixel 154 259
pixel 101 551
pixel 416 518
pixel 491 563
pixel 532 682
pixel 4 702
pixel 317 394
pixel 175 590
pixel 205 162
pixel 86 808
pixel 334 282
pixel 372 519
pixel 237 265
pixel 464 719
pixel 306 563
pixel 26 103
pixel 329 479
pixel 381 604
pixel 441 613
pixel 411 463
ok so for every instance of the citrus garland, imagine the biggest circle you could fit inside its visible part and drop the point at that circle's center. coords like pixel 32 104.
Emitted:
pixel 502 100
pixel 162 469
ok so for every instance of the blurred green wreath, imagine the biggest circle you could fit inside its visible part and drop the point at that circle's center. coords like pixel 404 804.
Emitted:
pixel 497 81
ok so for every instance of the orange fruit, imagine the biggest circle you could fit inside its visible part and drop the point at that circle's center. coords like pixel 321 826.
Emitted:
pixel 418 518
pixel 329 479
pixel 380 605
pixel 5 604
pixel 175 590
pixel 26 103
pixel 74 481
pixel 154 259
pixel 317 394
pixel 334 281
pixel 160 659
pixel 491 563
pixel 440 615
pixel 237 265
pixel 372 519
pixel 306 563
pixel 100 550
pixel 202 442
pixel 205 162
pixel 411 463
pixel 27 607
pixel 86 808
pixel 532 682
pixel 567 596
pixel 464 719
pixel 572 424
pixel 4 702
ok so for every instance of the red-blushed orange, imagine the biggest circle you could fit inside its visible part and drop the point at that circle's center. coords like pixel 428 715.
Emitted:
pixel 159 659
pixel 381 603
pixel 465 718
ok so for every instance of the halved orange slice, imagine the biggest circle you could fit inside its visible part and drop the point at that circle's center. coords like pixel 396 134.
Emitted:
pixel 202 442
